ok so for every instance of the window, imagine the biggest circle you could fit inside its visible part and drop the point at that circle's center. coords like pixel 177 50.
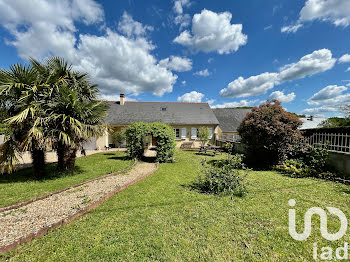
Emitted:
pixel 177 133
pixel 194 133
pixel 163 109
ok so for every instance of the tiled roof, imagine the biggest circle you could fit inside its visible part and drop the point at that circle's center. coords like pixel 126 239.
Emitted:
pixel 230 118
pixel 174 113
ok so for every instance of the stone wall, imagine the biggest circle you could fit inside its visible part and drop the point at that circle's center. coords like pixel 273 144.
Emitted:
pixel 341 162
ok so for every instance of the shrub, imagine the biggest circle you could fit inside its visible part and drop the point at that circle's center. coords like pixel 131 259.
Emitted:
pixel 119 137
pixel 270 133
pixel 165 138
pixel 134 139
pixel 313 163
pixel 292 167
pixel 203 135
pixel 163 134
pixel 223 178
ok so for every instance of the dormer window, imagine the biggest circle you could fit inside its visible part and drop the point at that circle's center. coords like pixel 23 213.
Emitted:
pixel 163 109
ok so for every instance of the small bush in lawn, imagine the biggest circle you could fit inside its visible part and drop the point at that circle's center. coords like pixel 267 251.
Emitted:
pixel 222 179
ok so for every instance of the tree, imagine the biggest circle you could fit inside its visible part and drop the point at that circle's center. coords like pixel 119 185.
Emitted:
pixel 72 112
pixel 335 122
pixel 20 91
pixel 203 135
pixel 49 103
pixel 270 133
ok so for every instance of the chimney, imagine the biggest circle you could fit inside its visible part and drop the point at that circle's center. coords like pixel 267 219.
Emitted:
pixel 122 99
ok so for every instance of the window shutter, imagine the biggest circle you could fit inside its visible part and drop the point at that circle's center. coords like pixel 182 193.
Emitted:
pixel 210 132
pixel 183 134
pixel 193 133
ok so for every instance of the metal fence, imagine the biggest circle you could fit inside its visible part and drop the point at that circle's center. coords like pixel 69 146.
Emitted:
pixel 337 142
pixel 229 138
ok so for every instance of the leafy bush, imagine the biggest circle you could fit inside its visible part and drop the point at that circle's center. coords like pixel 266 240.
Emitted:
pixel 163 134
pixel 165 138
pixel 270 133
pixel 313 163
pixel 292 167
pixel 119 137
pixel 134 139
pixel 223 178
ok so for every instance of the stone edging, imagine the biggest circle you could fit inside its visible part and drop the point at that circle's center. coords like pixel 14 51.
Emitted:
pixel 22 204
pixel 65 221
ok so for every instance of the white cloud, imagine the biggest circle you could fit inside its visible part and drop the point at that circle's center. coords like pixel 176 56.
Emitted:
pixel 210 101
pixel 320 110
pixel 117 63
pixel 334 11
pixel 280 96
pixel 130 28
pixel 210 60
pixel 115 98
pixel 181 19
pixel 254 85
pixel 183 82
pixel 267 27
pixel 347 70
pixel 46 27
pixel 194 97
pixel 344 59
pixel 120 64
pixel 204 73
pixel 316 62
pixel 176 63
pixel 241 103
pixel 213 32
pixel 291 28
pixel 332 95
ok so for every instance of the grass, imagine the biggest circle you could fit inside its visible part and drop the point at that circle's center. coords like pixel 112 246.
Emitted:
pixel 21 186
pixel 162 219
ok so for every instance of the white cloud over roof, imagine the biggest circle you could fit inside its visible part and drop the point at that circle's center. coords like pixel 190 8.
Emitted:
pixel 316 62
pixel 213 32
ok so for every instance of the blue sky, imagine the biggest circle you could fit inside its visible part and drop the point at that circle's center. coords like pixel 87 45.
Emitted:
pixel 227 53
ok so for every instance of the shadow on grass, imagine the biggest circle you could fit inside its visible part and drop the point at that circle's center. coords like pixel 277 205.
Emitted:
pixel 122 158
pixel 26 175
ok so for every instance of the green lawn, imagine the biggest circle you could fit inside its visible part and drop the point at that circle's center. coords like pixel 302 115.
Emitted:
pixel 162 219
pixel 19 187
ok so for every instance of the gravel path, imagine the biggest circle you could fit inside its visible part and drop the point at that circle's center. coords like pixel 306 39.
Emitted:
pixel 21 222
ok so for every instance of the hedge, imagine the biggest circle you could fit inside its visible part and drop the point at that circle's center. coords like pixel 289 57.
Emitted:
pixel 164 135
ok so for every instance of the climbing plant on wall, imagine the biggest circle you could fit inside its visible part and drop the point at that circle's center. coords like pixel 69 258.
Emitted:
pixel 165 139
pixel 135 134
pixel 163 134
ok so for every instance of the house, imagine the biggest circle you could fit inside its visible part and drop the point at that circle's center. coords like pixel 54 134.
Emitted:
pixel 185 118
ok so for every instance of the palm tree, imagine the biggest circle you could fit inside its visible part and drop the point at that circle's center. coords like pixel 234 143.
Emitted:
pixel 49 103
pixel 72 114
pixel 20 89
